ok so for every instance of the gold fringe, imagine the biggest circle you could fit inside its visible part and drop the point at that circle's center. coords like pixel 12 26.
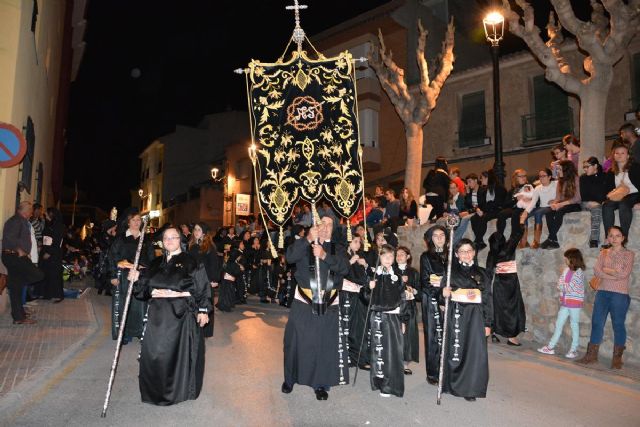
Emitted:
pixel 274 253
pixel 349 236
pixel 281 239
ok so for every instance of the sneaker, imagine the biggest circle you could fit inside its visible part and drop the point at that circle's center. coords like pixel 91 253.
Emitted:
pixel 384 394
pixel 571 355
pixel 546 350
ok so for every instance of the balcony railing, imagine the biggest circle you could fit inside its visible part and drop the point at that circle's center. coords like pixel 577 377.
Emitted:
pixel 541 128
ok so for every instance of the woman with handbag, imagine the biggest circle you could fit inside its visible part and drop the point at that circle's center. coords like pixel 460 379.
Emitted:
pixel 622 183
pixel 613 267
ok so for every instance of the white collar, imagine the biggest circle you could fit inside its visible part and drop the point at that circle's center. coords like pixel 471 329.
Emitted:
pixel 174 253
pixel 380 270
pixel 402 266
pixel 465 264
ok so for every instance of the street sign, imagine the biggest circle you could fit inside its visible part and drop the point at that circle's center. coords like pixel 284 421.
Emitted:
pixel 13 146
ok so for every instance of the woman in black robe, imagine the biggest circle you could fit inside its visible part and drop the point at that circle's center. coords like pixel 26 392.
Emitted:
pixel 466 366
pixel 408 310
pixel 51 256
pixel 433 266
pixel 231 274
pixel 509 317
pixel 354 305
pixel 172 352
pixel 204 251
pixel 121 257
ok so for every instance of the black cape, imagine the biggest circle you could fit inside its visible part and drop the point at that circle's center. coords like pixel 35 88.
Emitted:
pixel 509 317
pixel 431 300
pixel 466 367
pixel 314 351
pixel 172 351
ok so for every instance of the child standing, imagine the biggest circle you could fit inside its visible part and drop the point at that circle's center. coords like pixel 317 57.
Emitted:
pixel 408 310
pixel 387 343
pixel 571 287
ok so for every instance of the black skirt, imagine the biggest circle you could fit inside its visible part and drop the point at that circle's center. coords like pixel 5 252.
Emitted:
pixel 466 367
pixel 432 322
pixel 313 354
pixel 226 295
pixel 135 314
pixel 172 353
pixel 509 317
pixel 410 336
pixel 387 367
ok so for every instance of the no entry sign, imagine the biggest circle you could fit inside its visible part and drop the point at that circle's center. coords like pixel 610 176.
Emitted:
pixel 12 146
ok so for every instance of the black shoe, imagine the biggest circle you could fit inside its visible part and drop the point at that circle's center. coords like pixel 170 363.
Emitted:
pixel 470 399
pixel 432 381
pixel 408 371
pixel 365 367
pixel 518 344
pixel 593 243
pixel 480 246
pixel 286 388
pixel 494 338
pixel 553 244
pixel 321 393
pixel 545 244
pixel 56 300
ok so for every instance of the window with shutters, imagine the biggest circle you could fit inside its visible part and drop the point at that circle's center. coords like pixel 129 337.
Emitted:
pixel 552 118
pixel 472 127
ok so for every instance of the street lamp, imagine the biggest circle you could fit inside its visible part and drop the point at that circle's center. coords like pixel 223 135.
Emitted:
pixel 214 175
pixel 494 31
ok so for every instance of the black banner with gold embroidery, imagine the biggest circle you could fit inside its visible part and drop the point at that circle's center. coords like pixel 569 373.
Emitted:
pixel 305 127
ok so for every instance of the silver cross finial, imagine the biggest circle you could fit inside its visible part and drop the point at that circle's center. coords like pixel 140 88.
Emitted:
pixel 298 32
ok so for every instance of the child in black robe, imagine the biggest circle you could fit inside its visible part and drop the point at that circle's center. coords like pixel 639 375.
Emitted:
pixel 408 309
pixel 387 343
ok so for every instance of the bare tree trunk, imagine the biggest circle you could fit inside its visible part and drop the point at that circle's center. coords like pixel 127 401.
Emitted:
pixel 413 172
pixel 593 105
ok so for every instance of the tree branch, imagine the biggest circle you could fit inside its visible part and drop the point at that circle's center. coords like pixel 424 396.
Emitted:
pixel 599 20
pixel 624 21
pixel 391 78
pixel 554 31
pixel 585 32
pixel 531 36
pixel 422 62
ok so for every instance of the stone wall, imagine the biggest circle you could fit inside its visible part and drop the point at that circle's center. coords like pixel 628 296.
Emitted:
pixel 538 271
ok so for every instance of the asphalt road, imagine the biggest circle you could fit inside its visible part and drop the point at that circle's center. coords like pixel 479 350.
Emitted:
pixel 244 373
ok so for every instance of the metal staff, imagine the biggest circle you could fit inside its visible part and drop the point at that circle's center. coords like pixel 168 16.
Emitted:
pixel 452 222
pixel 318 293
pixel 366 322
pixel 123 321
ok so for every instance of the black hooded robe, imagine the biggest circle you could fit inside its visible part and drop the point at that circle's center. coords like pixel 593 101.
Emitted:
pixel 509 317
pixel 431 300
pixel 466 366
pixel 409 316
pixel 51 257
pixel 172 351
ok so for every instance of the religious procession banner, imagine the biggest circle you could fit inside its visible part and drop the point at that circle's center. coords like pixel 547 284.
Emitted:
pixel 305 127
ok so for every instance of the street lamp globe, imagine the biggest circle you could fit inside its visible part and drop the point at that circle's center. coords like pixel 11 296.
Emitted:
pixel 494 27
pixel 214 172
pixel 140 192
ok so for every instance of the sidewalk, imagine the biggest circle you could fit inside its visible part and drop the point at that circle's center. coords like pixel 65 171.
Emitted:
pixel 30 352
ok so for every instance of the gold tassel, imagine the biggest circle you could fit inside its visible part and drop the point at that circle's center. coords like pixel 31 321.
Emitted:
pixel 367 246
pixel 274 253
pixel 281 239
pixel 349 236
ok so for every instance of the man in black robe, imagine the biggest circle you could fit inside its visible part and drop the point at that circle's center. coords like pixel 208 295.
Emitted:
pixel 314 350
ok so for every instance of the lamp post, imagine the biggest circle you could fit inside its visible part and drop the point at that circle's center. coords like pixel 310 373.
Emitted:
pixel 494 31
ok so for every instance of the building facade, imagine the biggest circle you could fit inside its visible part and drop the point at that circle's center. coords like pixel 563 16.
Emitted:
pixel 535 115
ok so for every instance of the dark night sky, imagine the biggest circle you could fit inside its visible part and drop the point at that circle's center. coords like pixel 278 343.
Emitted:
pixel 186 52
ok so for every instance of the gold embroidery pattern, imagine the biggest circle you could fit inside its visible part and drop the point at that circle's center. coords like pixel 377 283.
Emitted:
pixel 306 133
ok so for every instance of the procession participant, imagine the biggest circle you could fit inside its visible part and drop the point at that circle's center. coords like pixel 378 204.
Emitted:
pixel 231 274
pixel 433 265
pixel 509 317
pixel 466 366
pixel 264 276
pixel 121 256
pixel 313 355
pixel 172 352
pixel 408 310
pixel 386 340
pixel 355 304
pixel 107 235
pixel 51 256
pixel 204 251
